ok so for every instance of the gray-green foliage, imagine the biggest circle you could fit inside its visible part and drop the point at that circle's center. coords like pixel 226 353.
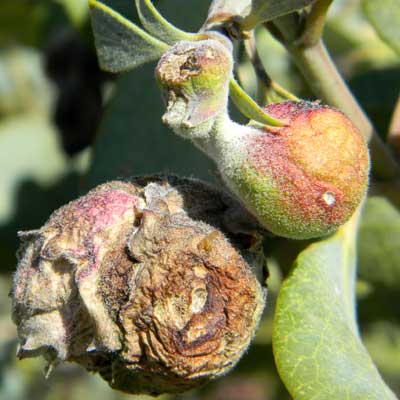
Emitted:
pixel 266 10
pixel 255 12
pixel 121 45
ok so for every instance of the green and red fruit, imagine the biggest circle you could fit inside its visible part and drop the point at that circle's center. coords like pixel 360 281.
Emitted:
pixel 302 180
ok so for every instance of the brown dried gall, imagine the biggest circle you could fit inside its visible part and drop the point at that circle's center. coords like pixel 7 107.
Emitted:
pixel 140 282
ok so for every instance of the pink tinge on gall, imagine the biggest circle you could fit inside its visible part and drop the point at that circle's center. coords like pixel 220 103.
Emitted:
pixel 139 282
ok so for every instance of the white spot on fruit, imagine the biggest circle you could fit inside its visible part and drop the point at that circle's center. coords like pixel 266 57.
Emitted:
pixel 329 198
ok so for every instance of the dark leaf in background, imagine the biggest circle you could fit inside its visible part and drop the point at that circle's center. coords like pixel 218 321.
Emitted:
pixel 132 139
pixel 72 66
pixel 33 205
pixel 158 26
pixel 377 90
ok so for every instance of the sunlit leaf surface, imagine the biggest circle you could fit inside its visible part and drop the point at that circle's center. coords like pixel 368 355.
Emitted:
pixel 317 347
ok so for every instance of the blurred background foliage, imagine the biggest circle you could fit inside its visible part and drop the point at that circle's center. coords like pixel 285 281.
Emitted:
pixel 65 127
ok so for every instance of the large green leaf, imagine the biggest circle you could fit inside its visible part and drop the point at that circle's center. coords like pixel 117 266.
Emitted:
pixel 384 15
pixel 316 343
pixel 121 45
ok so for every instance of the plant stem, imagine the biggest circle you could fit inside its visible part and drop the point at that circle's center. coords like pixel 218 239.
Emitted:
pixel 326 82
pixel 268 91
pixel 315 23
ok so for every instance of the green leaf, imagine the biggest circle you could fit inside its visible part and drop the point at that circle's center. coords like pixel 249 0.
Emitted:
pixel 384 15
pixel 120 44
pixel 265 10
pixel 248 107
pixel 251 12
pixel 316 343
pixel 379 243
pixel 158 26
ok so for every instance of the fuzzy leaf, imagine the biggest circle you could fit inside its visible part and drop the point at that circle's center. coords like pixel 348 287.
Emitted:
pixel 384 16
pixel 265 10
pixel 251 12
pixel 120 44
pixel 316 343
pixel 158 26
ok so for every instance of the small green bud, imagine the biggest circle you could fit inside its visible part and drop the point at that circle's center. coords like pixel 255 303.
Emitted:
pixel 196 77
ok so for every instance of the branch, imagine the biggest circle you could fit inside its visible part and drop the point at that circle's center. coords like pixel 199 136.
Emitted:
pixel 268 91
pixel 315 23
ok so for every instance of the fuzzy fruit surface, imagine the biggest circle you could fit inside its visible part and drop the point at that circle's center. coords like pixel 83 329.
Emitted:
pixel 139 282
pixel 305 179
